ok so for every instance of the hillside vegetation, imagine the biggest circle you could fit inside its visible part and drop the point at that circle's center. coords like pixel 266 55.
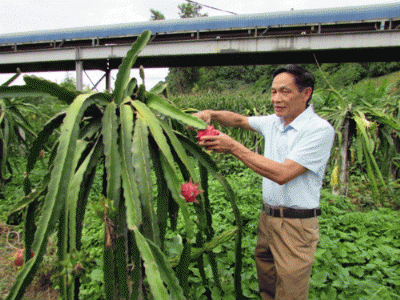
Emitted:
pixel 259 78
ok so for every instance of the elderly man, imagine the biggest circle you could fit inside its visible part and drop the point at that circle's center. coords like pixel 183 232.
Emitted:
pixel 297 148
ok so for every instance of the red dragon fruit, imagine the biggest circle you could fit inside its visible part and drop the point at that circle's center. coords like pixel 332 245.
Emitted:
pixel 190 190
pixel 19 257
pixel 209 131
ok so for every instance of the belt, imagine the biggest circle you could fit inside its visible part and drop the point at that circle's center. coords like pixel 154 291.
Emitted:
pixel 285 212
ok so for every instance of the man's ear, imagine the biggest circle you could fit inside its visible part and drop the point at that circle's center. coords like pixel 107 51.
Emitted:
pixel 307 92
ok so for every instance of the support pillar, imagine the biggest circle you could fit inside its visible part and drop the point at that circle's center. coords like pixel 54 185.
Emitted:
pixel 108 80
pixel 79 75
pixel 108 77
pixel 78 70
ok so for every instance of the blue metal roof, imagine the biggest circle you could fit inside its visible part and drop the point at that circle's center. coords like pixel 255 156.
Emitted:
pixel 329 15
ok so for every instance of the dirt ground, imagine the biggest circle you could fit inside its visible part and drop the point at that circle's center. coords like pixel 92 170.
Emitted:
pixel 40 288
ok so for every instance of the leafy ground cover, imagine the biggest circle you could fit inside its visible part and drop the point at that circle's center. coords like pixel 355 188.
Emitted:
pixel 358 255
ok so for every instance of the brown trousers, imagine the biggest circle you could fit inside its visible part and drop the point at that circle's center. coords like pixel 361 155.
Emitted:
pixel 284 255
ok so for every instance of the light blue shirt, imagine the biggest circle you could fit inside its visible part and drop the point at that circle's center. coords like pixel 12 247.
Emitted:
pixel 307 140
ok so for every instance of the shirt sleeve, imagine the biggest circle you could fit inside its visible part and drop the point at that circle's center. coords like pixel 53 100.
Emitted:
pixel 260 123
pixel 313 149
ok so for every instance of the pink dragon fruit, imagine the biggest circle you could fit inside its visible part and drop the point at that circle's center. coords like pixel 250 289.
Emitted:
pixel 190 190
pixel 209 131
pixel 19 257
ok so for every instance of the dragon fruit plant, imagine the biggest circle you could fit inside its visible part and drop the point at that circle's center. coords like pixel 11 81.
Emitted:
pixel 127 134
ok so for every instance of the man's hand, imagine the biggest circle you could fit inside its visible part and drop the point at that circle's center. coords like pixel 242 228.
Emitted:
pixel 221 143
pixel 204 115
pixel 224 118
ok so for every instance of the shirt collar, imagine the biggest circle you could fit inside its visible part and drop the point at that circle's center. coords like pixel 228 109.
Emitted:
pixel 297 123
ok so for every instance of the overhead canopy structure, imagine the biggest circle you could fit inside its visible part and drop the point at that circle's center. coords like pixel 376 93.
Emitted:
pixel 345 34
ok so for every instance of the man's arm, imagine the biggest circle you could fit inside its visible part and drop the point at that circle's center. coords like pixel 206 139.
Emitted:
pixel 224 118
pixel 280 173
pixel 277 172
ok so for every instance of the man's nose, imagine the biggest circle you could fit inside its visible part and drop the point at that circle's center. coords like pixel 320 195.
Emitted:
pixel 275 97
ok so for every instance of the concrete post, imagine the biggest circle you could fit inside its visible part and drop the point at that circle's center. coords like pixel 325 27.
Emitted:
pixel 78 70
pixel 79 75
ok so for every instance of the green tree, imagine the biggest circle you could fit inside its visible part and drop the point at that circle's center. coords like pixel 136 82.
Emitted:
pixel 376 69
pixel 190 10
pixel 69 83
pixel 156 15
pixel 183 80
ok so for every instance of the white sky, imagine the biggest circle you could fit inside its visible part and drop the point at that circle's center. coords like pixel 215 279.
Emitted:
pixel 32 15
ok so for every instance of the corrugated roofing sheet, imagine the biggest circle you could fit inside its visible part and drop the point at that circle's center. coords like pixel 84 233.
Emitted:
pixel 329 15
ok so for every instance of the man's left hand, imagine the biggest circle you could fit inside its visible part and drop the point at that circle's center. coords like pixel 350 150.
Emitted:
pixel 221 143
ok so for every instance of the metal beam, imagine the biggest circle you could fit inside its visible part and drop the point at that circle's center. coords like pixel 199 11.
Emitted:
pixel 382 45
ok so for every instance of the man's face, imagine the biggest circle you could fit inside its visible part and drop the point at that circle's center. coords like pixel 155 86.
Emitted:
pixel 286 98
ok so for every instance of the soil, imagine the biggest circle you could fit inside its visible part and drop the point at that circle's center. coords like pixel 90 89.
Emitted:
pixel 41 286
